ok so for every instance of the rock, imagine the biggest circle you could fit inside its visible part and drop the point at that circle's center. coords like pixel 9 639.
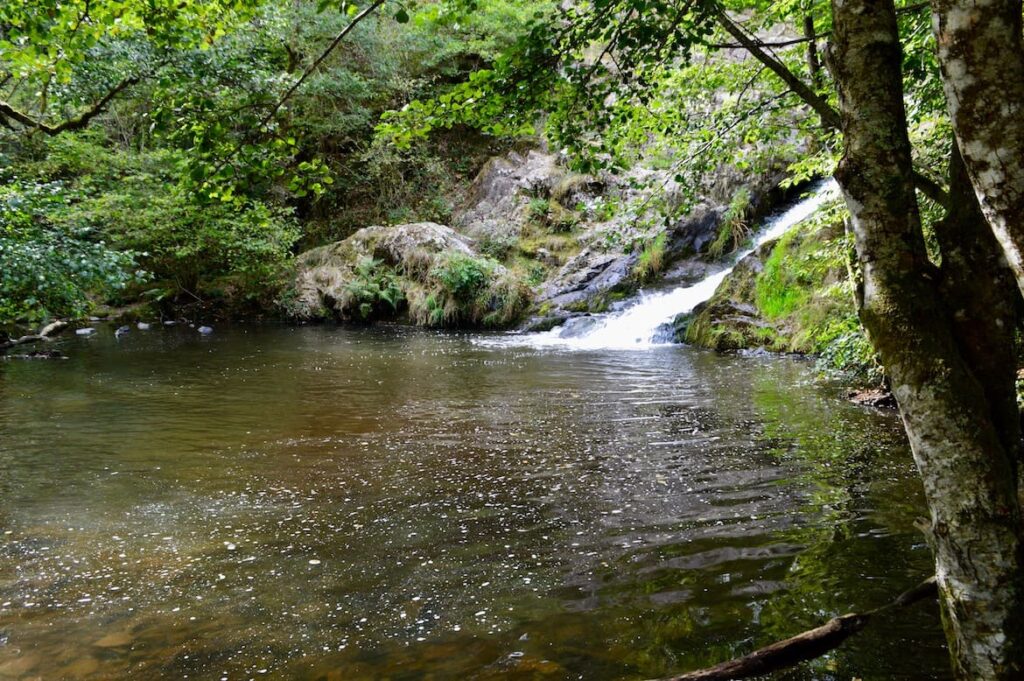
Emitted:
pixel 169 322
pixel 121 331
pixel 409 261
pixel 86 331
pixel 586 276
pixel 729 320
pixel 873 397
pixel 143 326
pixel 84 666
pixel 41 354
pixel 498 203
pixel 205 330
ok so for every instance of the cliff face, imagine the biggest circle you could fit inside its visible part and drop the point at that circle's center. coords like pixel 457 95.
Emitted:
pixel 553 242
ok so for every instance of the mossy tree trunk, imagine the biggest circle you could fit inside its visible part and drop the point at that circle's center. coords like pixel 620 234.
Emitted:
pixel 954 416
pixel 981 54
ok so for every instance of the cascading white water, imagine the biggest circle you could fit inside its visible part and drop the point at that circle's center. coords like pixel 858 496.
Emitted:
pixel 636 325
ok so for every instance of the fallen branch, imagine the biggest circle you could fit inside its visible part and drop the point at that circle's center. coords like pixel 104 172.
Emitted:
pixel 45 334
pixel 804 646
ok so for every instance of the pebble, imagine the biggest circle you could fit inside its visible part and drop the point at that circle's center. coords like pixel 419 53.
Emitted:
pixel 205 330
pixel 87 331
pixel 143 326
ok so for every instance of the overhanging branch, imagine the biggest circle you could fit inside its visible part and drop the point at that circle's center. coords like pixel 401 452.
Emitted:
pixel 8 112
pixel 829 116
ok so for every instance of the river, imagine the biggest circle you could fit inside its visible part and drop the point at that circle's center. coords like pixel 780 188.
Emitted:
pixel 330 503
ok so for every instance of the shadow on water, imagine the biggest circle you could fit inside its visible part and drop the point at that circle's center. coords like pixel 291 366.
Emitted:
pixel 343 504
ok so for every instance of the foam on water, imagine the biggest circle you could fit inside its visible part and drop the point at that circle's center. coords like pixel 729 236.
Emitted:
pixel 636 325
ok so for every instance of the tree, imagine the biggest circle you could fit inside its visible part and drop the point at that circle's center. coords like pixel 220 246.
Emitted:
pixel 981 52
pixel 953 410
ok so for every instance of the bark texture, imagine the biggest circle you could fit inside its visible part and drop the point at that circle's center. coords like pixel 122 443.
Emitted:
pixel 968 473
pixel 982 59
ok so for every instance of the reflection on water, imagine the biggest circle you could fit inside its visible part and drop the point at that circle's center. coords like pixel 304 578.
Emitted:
pixel 322 503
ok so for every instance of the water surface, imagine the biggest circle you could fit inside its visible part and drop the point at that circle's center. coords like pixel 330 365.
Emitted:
pixel 325 503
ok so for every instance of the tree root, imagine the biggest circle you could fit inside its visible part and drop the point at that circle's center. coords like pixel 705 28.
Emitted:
pixel 807 645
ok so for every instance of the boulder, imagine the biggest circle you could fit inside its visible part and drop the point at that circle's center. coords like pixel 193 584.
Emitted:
pixel 424 270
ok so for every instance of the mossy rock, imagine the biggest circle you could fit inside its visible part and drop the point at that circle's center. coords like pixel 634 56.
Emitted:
pixel 423 272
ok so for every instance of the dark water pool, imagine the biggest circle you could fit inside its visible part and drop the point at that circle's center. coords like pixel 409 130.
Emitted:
pixel 320 503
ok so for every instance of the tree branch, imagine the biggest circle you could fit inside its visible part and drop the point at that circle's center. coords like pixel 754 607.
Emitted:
pixel 44 334
pixel 807 645
pixel 76 123
pixel 829 116
pixel 298 83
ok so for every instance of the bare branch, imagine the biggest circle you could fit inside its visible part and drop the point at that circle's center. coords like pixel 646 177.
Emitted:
pixel 44 334
pixel 829 116
pixel 76 123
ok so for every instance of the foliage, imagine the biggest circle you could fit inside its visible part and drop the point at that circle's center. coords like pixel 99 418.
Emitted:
pixel 372 287
pixel 51 268
pixel 466 290
pixel 129 201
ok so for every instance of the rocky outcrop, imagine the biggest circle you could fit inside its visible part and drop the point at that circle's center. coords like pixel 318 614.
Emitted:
pixel 790 295
pixel 584 279
pixel 730 319
pixel 424 272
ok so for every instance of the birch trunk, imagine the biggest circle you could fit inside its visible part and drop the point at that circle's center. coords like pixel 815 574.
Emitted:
pixel 981 54
pixel 967 472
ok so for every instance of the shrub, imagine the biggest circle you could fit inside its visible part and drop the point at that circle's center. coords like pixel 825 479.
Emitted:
pixel 464 290
pixel 51 269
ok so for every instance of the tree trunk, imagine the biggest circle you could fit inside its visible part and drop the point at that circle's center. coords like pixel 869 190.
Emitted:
pixel 984 307
pixel 982 59
pixel 966 470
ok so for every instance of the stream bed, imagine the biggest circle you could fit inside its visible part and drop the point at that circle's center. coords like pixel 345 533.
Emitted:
pixel 328 503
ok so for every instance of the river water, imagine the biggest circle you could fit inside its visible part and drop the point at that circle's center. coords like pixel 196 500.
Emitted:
pixel 326 503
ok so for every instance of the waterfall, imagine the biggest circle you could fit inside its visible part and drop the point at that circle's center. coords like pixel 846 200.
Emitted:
pixel 636 325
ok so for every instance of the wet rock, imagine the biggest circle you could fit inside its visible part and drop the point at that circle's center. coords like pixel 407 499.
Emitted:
pixel 729 320
pixel 41 354
pixel 86 331
pixel 81 667
pixel 873 397
pixel 22 664
pixel 121 331
pixel 586 276
pixel 143 326
pixel 205 330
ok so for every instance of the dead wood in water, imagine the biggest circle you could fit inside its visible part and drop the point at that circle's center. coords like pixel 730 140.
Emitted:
pixel 806 645
pixel 46 333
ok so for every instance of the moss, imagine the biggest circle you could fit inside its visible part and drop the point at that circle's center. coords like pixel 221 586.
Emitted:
pixel 794 295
